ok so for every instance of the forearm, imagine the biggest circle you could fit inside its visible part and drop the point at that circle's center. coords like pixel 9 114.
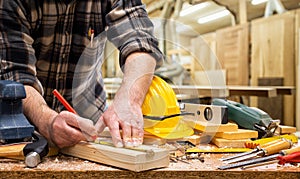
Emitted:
pixel 138 73
pixel 37 111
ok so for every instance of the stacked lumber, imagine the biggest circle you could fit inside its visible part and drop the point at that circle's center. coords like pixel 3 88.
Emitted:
pixel 224 135
pixel 234 139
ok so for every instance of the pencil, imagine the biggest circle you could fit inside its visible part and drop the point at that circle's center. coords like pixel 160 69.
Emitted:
pixel 63 101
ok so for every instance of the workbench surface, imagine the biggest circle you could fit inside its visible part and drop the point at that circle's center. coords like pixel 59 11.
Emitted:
pixel 62 166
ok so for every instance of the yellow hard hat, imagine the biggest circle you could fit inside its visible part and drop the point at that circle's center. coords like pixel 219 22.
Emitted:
pixel 161 101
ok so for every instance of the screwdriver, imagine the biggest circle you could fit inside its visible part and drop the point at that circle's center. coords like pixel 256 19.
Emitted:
pixel 252 151
pixel 285 153
pixel 263 151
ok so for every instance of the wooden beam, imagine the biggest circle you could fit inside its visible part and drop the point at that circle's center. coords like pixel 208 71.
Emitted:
pixel 121 157
pixel 252 91
pixel 201 91
pixel 285 90
pixel 243 11
pixel 239 134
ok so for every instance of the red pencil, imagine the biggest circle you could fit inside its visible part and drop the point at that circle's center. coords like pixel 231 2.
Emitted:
pixel 63 101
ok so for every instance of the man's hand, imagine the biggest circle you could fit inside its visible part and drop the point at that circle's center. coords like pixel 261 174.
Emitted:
pixel 125 112
pixel 68 129
pixel 127 116
pixel 63 129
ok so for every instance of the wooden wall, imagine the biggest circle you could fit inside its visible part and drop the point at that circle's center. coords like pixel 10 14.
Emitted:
pixel 264 48
pixel 273 55
pixel 297 66
pixel 233 53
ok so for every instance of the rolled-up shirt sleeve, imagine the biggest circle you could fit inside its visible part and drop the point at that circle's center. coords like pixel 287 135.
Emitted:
pixel 130 30
pixel 17 56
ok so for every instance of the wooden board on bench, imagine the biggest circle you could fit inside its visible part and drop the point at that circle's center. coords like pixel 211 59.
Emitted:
pixel 121 157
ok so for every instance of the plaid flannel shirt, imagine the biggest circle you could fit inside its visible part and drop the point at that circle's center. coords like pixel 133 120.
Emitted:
pixel 47 44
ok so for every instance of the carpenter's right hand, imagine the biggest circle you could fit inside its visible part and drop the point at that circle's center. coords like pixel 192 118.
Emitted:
pixel 68 129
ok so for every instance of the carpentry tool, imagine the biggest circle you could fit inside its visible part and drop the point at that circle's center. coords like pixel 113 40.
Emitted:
pixel 249 117
pixel 14 126
pixel 253 144
pixel 63 101
pixel 216 150
pixel 268 150
pixel 291 158
pixel 36 150
pixel 256 149
pixel 281 153
pixel 205 113
pixel 259 164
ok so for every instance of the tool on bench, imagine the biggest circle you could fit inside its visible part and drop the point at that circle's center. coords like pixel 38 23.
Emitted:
pixel 258 148
pixel 264 151
pixel 15 128
pixel 254 143
pixel 288 154
pixel 35 150
pixel 249 117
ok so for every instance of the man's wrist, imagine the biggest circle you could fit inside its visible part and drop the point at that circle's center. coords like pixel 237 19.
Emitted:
pixel 37 111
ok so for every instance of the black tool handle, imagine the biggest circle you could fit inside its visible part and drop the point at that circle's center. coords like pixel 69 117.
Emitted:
pixel 39 146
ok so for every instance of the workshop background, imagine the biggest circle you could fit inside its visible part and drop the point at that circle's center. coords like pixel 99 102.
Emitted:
pixel 252 42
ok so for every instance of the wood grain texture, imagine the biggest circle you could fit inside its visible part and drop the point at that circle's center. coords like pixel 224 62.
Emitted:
pixel 212 128
pixel 120 157
pixel 273 55
pixel 297 67
pixel 233 53
pixel 239 134
pixel 237 143
pixel 286 129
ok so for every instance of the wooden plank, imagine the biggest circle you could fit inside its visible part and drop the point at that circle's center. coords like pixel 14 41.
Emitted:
pixel 233 53
pixel 252 91
pixel 121 157
pixel 243 11
pixel 226 143
pixel 285 129
pixel 201 91
pixel 210 127
pixel 210 78
pixel 273 55
pixel 285 90
pixel 194 139
pixel 203 50
pixel 239 134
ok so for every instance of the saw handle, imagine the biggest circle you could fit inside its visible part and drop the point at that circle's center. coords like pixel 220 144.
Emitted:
pixel 277 147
